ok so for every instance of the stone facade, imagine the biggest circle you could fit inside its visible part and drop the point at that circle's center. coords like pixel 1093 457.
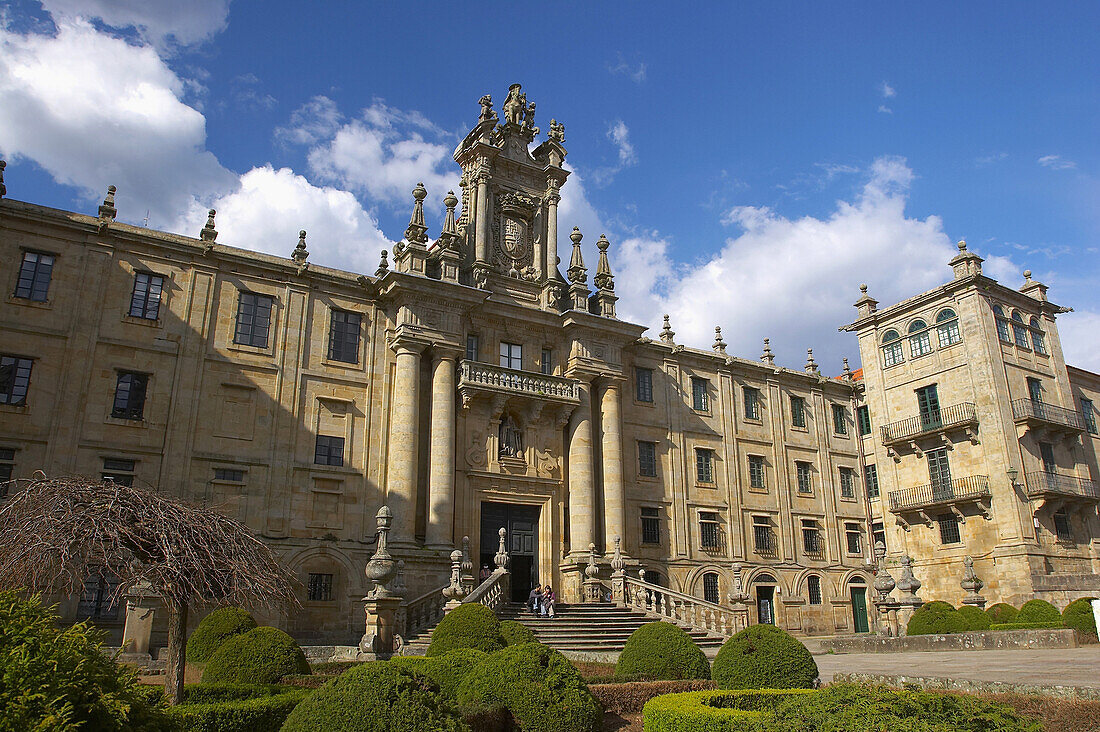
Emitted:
pixel 477 382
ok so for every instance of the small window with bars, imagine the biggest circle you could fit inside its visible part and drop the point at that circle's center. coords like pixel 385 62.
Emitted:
pixel 343 336
pixel 704 465
pixel 643 384
pixel 763 537
pixel 870 475
pixel 330 450
pixel 812 543
pixel 7 468
pixel 119 470
pixel 757 477
pixel 34 276
pixel 1088 412
pixel 813 589
pixel 145 298
pixel 840 420
pixel 130 391
pixel 798 412
pixel 15 379
pixel 253 319
pixel 804 474
pixel 853 536
pixel 710 588
pixel 863 415
pixel 471 346
pixel 97 600
pixel 752 402
pixel 709 531
pixel 949 528
pixel 1062 528
pixel 229 475
pixel 700 395
pixel 847 483
pixel 319 588
pixel 647 459
pixel 546 361
pixel 651 525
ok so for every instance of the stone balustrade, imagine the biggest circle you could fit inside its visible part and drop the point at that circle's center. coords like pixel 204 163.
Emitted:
pixel 681 609
pixel 423 611
pixel 474 375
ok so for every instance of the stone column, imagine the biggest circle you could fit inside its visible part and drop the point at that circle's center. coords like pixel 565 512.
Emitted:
pixel 404 440
pixel 481 240
pixel 552 233
pixel 582 519
pixel 441 470
pixel 614 505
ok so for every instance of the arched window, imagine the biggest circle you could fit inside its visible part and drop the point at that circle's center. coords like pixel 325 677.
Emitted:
pixel 765 579
pixel 1019 330
pixel 947 328
pixel 813 589
pixel 891 348
pixel 710 587
pixel 1037 338
pixel 1003 331
pixel 920 342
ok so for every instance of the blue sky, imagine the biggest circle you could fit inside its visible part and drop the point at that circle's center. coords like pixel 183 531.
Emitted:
pixel 752 163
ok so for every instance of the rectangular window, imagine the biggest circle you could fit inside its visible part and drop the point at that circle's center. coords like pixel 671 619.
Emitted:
pixel 840 419
pixel 471 346
pixel 1046 455
pixel 704 465
pixel 118 470
pixel 330 450
pixel 762 537
pixel 752 402
pixel 320 587
pixel 878 533
pixel 1089 413
pixel 651 525
pixel 546 362
pixel 253 319
pixel 130 390
pixel 145 299
pixel 96 598
pixel 1019 331
pixel 1003 331
pixel 643 384
pixel 708 530
pixel 511 355
pixel 229 475
pixel 756 472
pixel 863 416
pixel 847 483
pixel 710 588
pixel 805 482
pixel 15 379
pixel 939 474
pixel 700 398
pixel 928 407
pixel 949 528
pixel 854 538
pixel 811 537
pixel 1038 341
pixel 1062 528
pixel 920 344
pixel 948 333
pixel 34 276
pixel 343 336
pixel 813 589
pixel 891 354
pixel 1035 390
pixel 798 412
pixel 647 459
pixel 870 476
pixel 7 468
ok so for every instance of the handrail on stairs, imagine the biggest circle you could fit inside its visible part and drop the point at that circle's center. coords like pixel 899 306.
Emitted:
pixel 682 609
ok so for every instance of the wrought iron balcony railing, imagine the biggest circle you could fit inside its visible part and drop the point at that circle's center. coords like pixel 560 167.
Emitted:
pixel 1043 483
pixel 970 488
pixel 498 378
pixel 957 415
pixel 1028 410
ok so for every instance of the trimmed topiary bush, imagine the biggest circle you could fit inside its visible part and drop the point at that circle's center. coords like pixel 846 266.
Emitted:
pixel 260 656
pixel 447 671
pixel 1038 611
pixel 376 697
pixel 259 713
pixel 936 617
pixel 538 687
pixel 662 651
pixel 215 629
pixel 713 711
pixel 974 618
pixel 1027 626
pixel 1078 615
pixel 515 633
pixel 1002 612
pixel 764 657
pixel 467 626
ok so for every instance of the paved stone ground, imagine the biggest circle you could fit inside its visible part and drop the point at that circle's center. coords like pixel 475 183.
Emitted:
pixel 1065 667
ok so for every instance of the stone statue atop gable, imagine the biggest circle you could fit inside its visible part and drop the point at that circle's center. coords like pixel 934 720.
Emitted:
pixel 515 106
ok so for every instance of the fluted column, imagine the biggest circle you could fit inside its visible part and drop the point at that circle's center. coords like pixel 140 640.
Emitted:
pixel 481 242
pixel 441 470
pixel 403 443
pixel 552 233
pixel 614 504
pixel 582 519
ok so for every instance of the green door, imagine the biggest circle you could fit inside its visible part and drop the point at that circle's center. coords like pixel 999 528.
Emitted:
pixel 859 609
pixel 928 406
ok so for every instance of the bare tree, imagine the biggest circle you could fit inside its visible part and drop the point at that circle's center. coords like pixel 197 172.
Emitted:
pixel 56 532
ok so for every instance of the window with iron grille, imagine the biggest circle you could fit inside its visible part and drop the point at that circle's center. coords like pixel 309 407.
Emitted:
pixel 130 390
pixel 95 598
pixel 7 467
pixel 700 398
pixel 752 402
pixel 643 384
pixel 1037 339
pixel 229 475
pixel 119 470
pixel 710 588
pixel 319 587
pixel 651 525
pixel 330 450
pixel 813 589
pixel 343 336
pixel 1062 528
pixel 756 472
pixel 546 362
pixel 15 379
pixel 511 355
pixel 704 465
pixel 34 276
pixel 854 538
pixel 1019 330
pixel 471 346
pixel 1088 411
pixel 949 528
pixel 647 459
pixel 253 319
pixel 811 537
pixel 1003 331
pixel 708 530
pixel 870 475
pixel 145 299
pixel 762 536
pixel 863 415
pixel 798 411
pixel 840 419
pixel 847 483
pixel 878 533
pixel 805 482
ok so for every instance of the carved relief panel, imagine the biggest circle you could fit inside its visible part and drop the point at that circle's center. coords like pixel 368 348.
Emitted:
pixel 516 231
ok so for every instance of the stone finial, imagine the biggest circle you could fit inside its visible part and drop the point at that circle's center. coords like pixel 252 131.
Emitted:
pixel 501 558
pixel 617 562
pixel 417 232
pixel 487 113
pixel 450 201
pixel 383 265
pixel 667 333
pixel 767 356
pixel 107 210
pixel 719 344
pixel 399 585
pixel 300 253
pixel 209 233
pixel 884 583
pixel 866 304
pixel 1027 276
pixel 1033 288
pixel 966 263
pixel 557 132
pixel 971 583
pixel 577 272
pixel 454 591
pixel 3 188
pixel 737 595
pixel 847 370
pixel 382 568
pixel 811 364
pixel 604 280
pixel 467 562
pixel 592 569
pixel 908 583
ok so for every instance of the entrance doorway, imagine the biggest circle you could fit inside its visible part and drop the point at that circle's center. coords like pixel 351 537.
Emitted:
pixel 522 526
pixel 765 600
pixel 858 594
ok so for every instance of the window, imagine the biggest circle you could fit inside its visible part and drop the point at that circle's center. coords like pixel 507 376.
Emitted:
pixel 1003 331
pixel 762 537
pixel 878 533
pixel 805 482
pixel 840 419
pixel 798 412
pixel 863 417
pixel 847 483
pixel 708 530
pixel 710 588
pixel 752 402
pixel 1046 457
pixel 7 467
pixel 1037 339
pixel 1035 390
pixel 949 528
pixel 756 472
pixel 471 346
pixel 330 450
pixel 1062 528
pixel 229 475
pixel 811 538
pixel 651 525
pixel 891 349
pixel 34 276
pixel 643 384
pixel 647 459
pixel 947 328
pixel 813 589
pixel 511 355
pixel 928 407
pixel 15 379
pixel 546 362
pixel 320 587
pixel 130 392
pixel 96 598
pixel 1019 331
pixel 145 299
pixel 920 343
pixel 343 336
pixel 700 399
pixel 939 474
pixel 853 536
pixel 1088 412
pixel 118 470
pixel 870 476
pixel 253 319
pixel 704 465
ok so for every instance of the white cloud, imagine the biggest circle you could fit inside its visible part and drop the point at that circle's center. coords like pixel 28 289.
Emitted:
pixel 887 90
pixel 247 95
pixel 316 120
pixel 1077 331
pixel 634 72
pixel 619 134
pixel 884 109
pixel 163 23
pixel 1056 162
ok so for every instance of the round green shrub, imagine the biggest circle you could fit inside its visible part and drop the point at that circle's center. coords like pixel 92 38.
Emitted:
pixel 448 670
pixel 1002 612
pixel 764 657
pixel 1078 615
pixel 260 656
pixel 662 651
pixel 974 618
pixel 1038 611
pixel 379 696
pixel 934 618
pixel 216 628
pixel 515 633
pixel 538 687
pixel 467 626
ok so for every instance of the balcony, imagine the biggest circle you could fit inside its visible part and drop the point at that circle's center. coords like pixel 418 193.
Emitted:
pixel 963 417
pixel 1042 416
pixel 484 377
pixel 1049 485
pixel 973 489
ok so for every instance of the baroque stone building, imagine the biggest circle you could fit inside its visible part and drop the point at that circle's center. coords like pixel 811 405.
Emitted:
pixel 478 382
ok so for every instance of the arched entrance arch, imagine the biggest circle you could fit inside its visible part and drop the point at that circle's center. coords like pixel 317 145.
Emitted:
pixel 765 588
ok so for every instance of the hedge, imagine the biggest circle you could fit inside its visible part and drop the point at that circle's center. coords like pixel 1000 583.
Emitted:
pixel 934 618
pixel 215 629
pixel 662 651
pixel 467 626
pixel 1078 615
pixel 1038 611
pixel 447 671
pixel 259 714
pixel 213 693
pixel 260 656
pixel 629 698
pixel 1027 626
pixel 764 657
pixel 712 711
pixel 974 618
pixel 515 633
pixel 1002 612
